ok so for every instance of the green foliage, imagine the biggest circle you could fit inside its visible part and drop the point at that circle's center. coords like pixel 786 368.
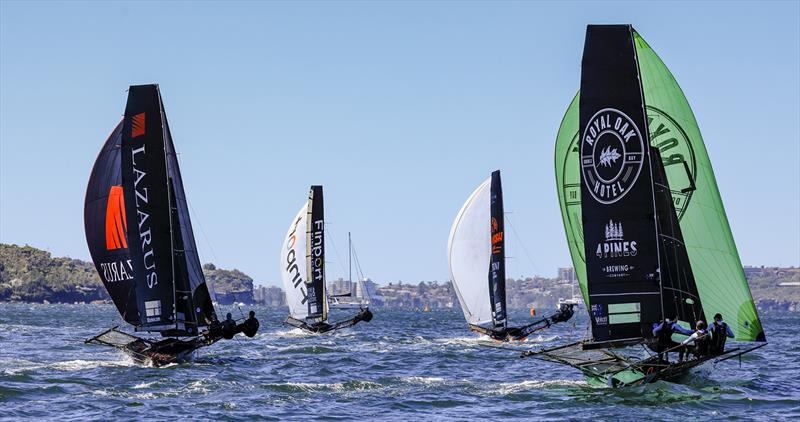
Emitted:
pixel 28 274
pixel 32 275
pixel 769 294
pixel 227 281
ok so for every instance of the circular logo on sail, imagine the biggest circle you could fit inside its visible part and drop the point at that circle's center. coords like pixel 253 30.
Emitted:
pixel 612 153
pixel 677 156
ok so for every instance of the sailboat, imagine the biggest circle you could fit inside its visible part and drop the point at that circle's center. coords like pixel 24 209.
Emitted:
pixel 302 266
pixel 351 299
pixel 476 257
pixel 141 241
pixel 644 220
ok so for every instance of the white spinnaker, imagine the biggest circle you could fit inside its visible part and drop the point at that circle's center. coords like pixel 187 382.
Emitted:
pixel 293 265
pixel 468 254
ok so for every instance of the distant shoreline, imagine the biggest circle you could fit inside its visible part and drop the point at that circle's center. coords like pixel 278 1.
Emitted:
pixel 31 275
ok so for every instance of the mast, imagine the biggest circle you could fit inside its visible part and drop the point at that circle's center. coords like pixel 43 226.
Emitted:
pixel 193 297
pixel 172 295
pixel 147 205
pixel 497 259
pixel 350 263
pixel 315 256
pixel 172 212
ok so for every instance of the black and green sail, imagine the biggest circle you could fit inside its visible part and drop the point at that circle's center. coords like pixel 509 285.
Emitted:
pixel 673 129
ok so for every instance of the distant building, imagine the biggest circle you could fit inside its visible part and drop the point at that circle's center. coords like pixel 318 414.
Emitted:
pixel 269 295
pixel 751 270
pixel 366 286
pixel 340 286
pixel 566 274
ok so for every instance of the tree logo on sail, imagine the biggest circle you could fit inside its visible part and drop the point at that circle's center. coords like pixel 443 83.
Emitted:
pixel 612 154
pixel 615 245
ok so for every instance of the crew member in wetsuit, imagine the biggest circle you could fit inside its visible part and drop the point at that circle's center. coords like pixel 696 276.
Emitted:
pixel 228 327
pixel 720 333
pixel 697 343
pixel 250 326
pixel 214 327
pixel 662 332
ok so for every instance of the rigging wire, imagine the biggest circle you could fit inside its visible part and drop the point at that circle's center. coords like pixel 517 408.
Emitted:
pixel 364 290
pixel 522 244
pixel 196 218
pixel 335 250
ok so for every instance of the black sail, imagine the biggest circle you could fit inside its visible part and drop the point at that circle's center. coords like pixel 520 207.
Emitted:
pixel 619 226
pixel 497 261
pixel 679 291
pixel 147 203
pixel 315 243
pixel 106 225
pixel 193 298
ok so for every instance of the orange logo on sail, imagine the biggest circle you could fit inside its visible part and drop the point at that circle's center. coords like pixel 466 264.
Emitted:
pixel 116 224
pixel 497 237
pixel 137 125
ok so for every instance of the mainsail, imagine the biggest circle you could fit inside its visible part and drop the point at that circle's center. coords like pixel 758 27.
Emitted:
pixel 302 261
pixel 619 232
pixel 709 245
pixel 476 255
pixel 148 259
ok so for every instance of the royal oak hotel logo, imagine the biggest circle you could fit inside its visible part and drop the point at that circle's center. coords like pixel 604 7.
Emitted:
pixel 612 154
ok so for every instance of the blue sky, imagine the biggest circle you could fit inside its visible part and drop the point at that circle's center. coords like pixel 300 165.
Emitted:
pixel 400 109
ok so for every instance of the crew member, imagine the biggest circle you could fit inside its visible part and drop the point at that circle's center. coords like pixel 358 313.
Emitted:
pixel 720 333
pixel 228 327
pixel 662 332
pixel 697 343
pixel 214 327
pixel 250 326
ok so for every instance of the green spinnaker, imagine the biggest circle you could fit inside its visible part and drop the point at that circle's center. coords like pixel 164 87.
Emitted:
pixel 673 129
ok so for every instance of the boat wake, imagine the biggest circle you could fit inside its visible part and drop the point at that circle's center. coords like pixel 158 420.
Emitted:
pixel 503 389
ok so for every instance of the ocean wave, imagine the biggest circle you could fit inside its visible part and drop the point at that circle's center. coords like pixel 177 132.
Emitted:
pixel 291 387
pixel 19 366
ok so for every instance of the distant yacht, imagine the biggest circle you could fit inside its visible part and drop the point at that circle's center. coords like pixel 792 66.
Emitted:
pixel 477 261
pixel 351 299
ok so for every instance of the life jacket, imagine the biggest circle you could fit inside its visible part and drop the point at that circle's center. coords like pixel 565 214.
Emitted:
pixel 665 334
pixel 719 335
pixel 702 345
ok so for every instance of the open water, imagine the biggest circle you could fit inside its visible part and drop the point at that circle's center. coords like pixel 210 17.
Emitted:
pixel 404 365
